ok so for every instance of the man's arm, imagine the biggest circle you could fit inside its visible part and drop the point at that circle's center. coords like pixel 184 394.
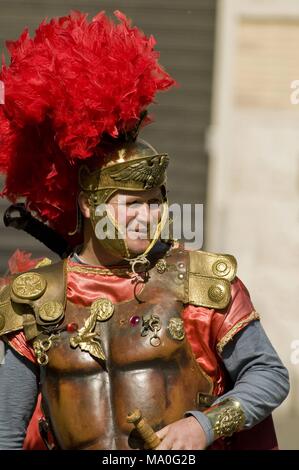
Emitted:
pixel 261 383
pixel 18 395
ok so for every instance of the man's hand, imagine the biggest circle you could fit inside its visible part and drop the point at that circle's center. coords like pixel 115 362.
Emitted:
pixel 185 434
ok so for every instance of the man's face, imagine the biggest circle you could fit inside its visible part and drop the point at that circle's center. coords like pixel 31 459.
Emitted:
pixel 137 213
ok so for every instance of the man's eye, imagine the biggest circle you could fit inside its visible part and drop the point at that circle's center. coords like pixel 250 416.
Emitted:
pixel 131 203
pixel 155 201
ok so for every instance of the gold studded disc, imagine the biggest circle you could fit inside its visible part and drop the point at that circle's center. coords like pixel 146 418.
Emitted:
pixel 221 268
pixel 2 321
pixel 103 308
pixel 29 286
pixel 216 292
pixel 51 311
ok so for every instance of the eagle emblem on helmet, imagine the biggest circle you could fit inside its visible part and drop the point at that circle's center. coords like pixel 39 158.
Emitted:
pixel 149 171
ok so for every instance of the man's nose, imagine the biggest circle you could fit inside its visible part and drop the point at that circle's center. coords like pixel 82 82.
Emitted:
pixel 143 212
pixel 147 212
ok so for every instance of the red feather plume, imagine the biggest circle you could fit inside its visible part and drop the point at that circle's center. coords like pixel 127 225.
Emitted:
pixel 65 89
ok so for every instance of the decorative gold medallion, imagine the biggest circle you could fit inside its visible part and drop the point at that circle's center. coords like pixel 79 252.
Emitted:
pixel 102 308
pixel 2 321
pixel 51 311
pixel 216 292
pixel 29 286
pixel 161 266
pixel 176 328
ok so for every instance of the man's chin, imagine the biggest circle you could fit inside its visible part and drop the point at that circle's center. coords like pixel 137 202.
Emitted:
pixel 137 247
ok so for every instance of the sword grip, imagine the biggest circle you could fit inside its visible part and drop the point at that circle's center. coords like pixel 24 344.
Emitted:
pixel 145 430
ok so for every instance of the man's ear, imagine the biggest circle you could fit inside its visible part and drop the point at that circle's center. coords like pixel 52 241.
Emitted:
pixel 84 205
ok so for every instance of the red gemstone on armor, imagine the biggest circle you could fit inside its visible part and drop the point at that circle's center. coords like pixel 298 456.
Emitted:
pixel 71 327
pixel 134 320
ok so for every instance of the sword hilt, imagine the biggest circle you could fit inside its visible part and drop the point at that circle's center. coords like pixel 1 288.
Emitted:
pixel 144 429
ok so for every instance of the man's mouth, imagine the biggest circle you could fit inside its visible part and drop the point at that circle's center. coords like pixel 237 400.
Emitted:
pixel 138 230
pixel 138 234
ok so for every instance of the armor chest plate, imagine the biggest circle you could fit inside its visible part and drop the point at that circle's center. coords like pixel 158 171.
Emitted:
pixel 148 364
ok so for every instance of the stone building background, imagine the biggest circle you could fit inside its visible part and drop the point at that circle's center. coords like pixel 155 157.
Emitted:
pixel 253 177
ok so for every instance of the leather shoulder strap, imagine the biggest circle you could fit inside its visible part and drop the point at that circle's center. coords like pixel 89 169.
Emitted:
pixel 198 277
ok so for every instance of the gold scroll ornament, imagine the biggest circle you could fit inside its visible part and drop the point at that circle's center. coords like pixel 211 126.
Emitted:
pixel 86 338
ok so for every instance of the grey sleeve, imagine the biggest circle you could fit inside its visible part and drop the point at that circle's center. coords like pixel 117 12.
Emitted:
pixel 18 395
pixel 261 382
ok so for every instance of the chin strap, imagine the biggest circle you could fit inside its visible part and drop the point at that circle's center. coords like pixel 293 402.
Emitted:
pixel 139 260
pixel 142 258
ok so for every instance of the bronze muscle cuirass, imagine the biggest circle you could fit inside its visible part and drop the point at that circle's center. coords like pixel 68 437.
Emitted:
pixel 148 364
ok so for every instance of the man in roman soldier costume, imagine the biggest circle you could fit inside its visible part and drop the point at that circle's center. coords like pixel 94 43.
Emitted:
pixel 129 341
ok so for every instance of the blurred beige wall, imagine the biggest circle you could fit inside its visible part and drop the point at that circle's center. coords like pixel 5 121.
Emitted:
pixel 253 189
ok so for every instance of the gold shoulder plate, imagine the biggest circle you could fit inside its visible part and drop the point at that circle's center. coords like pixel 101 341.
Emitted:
pixel 210 275
pixel 33 299
pixel 10 318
